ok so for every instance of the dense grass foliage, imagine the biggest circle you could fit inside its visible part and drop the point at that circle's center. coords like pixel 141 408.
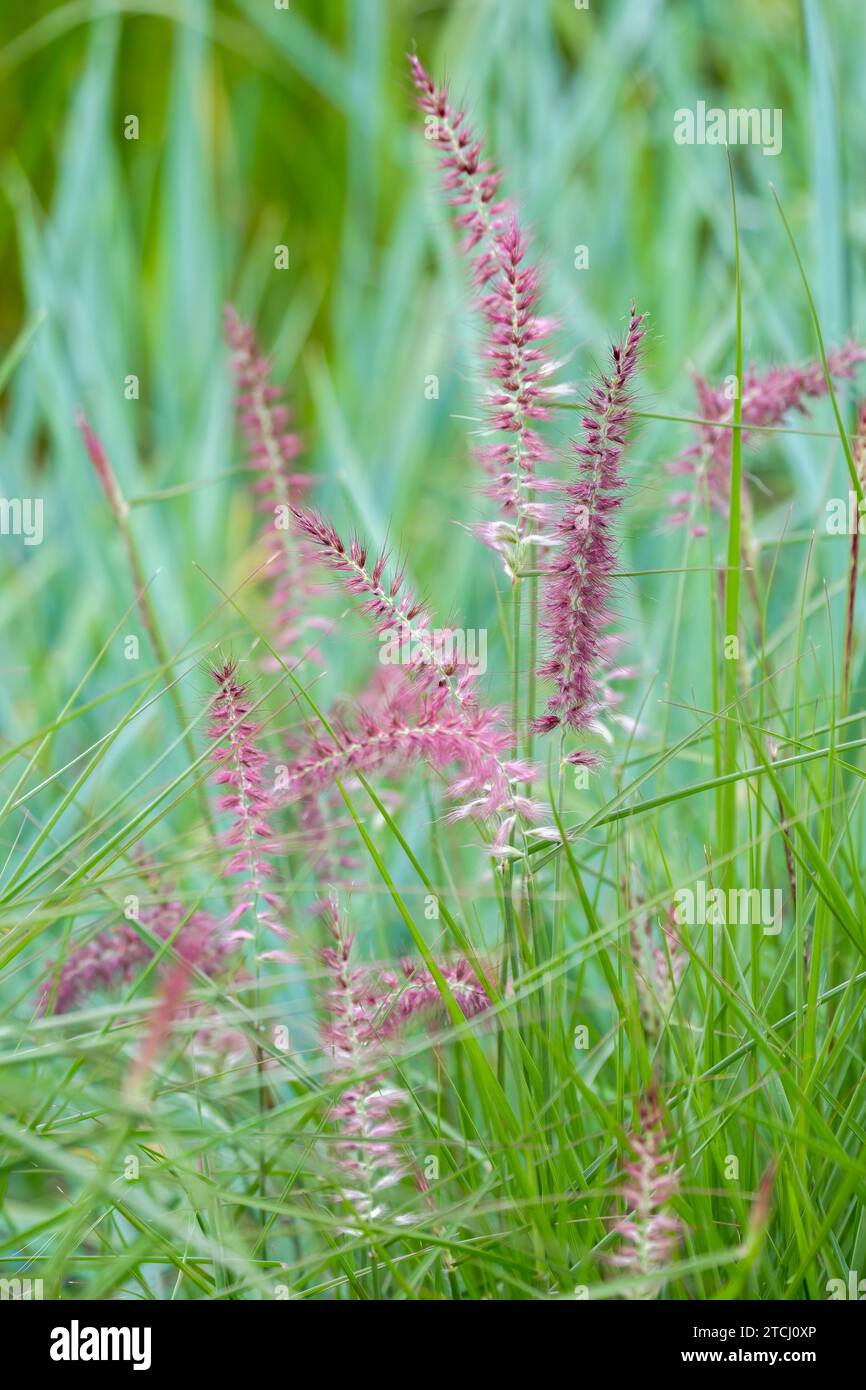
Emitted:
pixel 273 1031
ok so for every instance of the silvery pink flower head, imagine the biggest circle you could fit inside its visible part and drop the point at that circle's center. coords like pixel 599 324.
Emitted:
pixel 273 449
pixel 199 945
pixel 385 600
pixel 659 964
pixel 367 1111
pixel 520 371
pixel 650 1231
pixel 430 711
pixel 433 729
pixel 102 467
pixel 767 399
pixel 576 586
pixel 367 1006
pixel 114 957
pixel 417 993
pixel 240 763
pixel 471 180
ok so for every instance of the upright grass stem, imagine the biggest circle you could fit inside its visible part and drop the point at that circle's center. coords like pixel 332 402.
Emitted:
pixel 120 511
pixel 731 635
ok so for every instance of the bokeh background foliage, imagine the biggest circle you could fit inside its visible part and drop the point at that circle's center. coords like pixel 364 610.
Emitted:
pixel 261 126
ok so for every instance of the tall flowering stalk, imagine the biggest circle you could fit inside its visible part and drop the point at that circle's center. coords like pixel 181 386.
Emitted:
pixel 431 713
pixel 438 733
pixel 768 397
pixel 576 586
pixel 650 1231
pixel 860 464
pixel 272 449
pixel 521 390
pixel 366 1112
pixel 471 180
pixel 394 611
pixel 120 510
pixel 366 1007
pixel 240 762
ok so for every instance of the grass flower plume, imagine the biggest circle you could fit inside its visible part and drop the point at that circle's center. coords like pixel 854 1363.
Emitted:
pixel 240 768
pixel 521 389
pixel 576 586
pixel 650 1231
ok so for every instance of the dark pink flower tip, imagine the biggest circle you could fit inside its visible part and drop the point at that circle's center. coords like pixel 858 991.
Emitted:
pixel 102 467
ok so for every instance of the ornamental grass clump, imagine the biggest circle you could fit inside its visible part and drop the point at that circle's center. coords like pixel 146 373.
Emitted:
pixel 343 967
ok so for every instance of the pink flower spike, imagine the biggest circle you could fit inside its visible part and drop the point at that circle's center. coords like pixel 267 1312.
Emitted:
pixel 768 397
pixel 520 388
pixel 272 449
pixel 576 588
pixel 651 1231
pixel 470 180
pixel 418 994
pixel 102 467
pixel 194 950
pixel 430 711
pixel 240 762
pixel 114 957
pixel 367 1111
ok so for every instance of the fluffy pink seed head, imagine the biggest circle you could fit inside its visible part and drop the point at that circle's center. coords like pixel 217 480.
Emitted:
pixel 576 588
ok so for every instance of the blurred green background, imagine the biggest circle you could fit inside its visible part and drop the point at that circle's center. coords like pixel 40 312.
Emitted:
pixel 261 126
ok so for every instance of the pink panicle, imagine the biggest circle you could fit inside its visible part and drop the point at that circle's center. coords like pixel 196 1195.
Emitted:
pixel 650 1231
pixel 102 467
pixel 193 953
pixel 394 612
pixel 367 1112
pixel 429 711
pixel 471 180
pixel 521 389
pixel 368 1006
pixel 576 588
pixel 114 957
pixel 768 397
pixel 418 993
pixel 659 964
pixel 441 733
pixel 521 392
pixel 240 763
pixel 273 449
